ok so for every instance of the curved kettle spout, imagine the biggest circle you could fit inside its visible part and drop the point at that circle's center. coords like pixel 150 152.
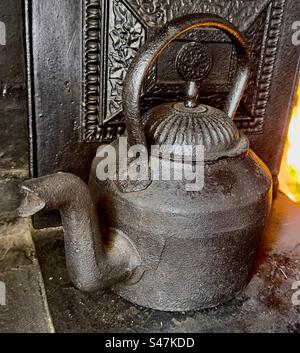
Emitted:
pixel 91 265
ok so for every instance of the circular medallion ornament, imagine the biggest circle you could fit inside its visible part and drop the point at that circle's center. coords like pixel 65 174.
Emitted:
pixel 193 62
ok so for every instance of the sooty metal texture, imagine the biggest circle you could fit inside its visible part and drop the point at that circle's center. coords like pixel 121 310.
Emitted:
pixel 197 248
pixel 162 246
pixel 77 63
pixel 92 261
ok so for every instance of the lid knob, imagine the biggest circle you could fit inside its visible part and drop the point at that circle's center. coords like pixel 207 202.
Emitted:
pixel 192 94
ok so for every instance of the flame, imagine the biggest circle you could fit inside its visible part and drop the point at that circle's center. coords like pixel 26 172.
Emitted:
pixel 289 177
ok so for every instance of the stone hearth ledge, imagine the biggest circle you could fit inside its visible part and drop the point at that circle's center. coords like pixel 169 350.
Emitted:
pixel 26 309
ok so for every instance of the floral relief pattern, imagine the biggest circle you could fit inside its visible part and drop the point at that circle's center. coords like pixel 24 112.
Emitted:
pixel 114 31
pixel 125 39
pixel 240 12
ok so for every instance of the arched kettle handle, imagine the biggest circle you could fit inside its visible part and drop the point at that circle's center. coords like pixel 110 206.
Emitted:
pixel 151 50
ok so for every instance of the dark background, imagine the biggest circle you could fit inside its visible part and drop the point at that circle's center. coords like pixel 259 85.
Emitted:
pixel 13 117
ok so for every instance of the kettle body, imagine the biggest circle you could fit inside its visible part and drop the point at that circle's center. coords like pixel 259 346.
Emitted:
pixel 197 248
pixel 154 241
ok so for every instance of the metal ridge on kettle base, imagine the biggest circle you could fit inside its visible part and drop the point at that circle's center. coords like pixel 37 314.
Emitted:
pixel 154 243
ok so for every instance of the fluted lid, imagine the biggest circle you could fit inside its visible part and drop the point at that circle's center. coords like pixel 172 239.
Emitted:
pixel 176 124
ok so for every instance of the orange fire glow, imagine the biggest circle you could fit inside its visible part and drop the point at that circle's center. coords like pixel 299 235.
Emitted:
pixel 289 177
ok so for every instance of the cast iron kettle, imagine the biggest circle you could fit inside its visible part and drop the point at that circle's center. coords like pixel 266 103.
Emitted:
pixel 161 246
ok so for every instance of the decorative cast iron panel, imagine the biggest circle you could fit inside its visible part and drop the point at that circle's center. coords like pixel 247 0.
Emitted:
pixel 114 31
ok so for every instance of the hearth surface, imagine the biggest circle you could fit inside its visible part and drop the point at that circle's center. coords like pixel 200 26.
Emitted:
pixel 265 306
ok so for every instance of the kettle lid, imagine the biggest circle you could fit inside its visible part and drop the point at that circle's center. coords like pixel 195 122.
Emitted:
pixel 175 124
